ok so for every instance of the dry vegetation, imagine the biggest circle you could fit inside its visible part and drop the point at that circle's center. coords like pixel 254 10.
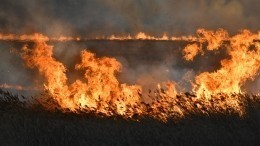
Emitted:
pixel 34 125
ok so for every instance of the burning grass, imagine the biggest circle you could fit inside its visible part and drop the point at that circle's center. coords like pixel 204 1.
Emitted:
pixel 31 123
pixel 99 91
pixel 161 108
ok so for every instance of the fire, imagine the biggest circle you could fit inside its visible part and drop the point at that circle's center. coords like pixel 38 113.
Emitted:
pixel 13 37
pixel 191 50
pixel 244 62
pixel 17 87
pixel 99 91
pixel 138 36
pixel 36 37
pixel 144 36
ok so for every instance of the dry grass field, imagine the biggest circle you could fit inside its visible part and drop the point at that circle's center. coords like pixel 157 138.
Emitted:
pixel 21 125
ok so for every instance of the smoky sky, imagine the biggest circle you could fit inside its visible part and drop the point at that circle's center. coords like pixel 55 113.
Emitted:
pixel 106 17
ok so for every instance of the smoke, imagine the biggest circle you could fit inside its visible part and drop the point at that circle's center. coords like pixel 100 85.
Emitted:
pixel 88 18
pixel 12 71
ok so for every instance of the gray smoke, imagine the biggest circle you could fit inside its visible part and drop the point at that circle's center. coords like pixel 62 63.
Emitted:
pixel 99 17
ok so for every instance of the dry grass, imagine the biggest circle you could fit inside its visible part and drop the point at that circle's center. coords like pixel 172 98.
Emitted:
pixel 34 125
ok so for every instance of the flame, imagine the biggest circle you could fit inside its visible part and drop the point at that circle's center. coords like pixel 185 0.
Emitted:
pixel 243 64
pixel 36 37
pixel 99 91
pixel 13 37
pixel 144 36
pixel 138 36
pixel 191 50
pixel 17 87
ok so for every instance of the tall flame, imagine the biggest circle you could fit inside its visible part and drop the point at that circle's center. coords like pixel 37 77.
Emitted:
pixel 99 90
pixel 243 64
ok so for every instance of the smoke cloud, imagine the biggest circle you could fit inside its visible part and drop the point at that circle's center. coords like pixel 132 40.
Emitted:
pixel 88 18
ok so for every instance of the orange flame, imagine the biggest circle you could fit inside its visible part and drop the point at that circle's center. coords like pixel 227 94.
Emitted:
pixel 99 90
pixel 17 87
pixel 244 62
pixel 138 36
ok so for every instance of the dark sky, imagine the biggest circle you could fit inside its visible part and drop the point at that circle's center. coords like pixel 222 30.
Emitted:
pixel 106 17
